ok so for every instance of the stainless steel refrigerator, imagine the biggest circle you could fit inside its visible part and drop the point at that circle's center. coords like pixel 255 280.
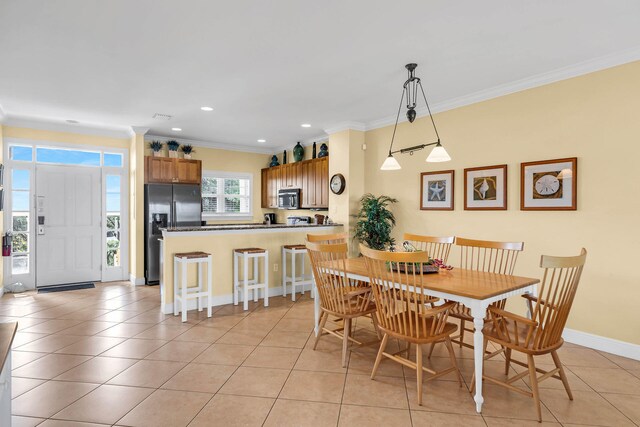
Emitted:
pixel 167 205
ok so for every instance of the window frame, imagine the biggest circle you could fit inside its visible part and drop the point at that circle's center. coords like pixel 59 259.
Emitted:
pixel 220 194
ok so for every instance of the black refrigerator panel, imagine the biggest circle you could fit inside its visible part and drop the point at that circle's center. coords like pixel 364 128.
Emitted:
pixel 158 202
pixel 187 200
pixel 166 206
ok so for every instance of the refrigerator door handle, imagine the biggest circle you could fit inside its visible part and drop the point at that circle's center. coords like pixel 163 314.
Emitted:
pixel 175 211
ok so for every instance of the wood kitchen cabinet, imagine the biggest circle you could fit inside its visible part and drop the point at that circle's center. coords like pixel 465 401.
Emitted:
pixel 311 176
pixel 165 170
pixel 270 185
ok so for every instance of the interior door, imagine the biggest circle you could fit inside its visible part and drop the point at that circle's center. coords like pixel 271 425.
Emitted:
pixel 68 229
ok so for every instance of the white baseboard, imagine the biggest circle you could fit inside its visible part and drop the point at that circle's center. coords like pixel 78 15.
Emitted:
pixel 597 342
pixel 137 281
pixel 228 299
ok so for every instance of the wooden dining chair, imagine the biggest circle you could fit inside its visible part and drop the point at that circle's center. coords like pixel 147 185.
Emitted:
pixel 339 295
pixel 328 238
pixel 402 311
pixel 487 256
pixel 542 334
pixel 436 247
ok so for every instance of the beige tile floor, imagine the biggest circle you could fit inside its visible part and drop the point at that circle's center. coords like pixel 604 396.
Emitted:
pixel 107 356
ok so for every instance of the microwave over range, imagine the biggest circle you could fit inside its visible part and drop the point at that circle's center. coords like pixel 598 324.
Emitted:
pixel 289 198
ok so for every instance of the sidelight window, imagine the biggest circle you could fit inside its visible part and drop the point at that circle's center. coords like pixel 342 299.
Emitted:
pixel 20 220
pixel 114 216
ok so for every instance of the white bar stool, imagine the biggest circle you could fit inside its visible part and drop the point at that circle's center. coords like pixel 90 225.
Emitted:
pixel 294 279
pixel 245 285
pixel 182 292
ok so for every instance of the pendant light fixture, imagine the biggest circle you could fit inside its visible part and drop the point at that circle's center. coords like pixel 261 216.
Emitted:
pixel 410 90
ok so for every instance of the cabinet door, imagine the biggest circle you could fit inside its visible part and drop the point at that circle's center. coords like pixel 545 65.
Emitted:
pixel 282 177
pixel 274 186
pixel 322 183
pixel 296 175
pixel 159 170
pixel 194 171
pixel 264 188
pixel 188 171
pixel 305 168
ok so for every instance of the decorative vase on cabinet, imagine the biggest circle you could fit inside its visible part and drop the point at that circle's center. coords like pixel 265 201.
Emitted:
pixel 324 151
pixel 298 152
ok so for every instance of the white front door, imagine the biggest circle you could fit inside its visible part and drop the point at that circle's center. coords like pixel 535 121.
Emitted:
pixel 69 243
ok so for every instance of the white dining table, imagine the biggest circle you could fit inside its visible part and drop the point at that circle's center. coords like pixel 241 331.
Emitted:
pixel 475 289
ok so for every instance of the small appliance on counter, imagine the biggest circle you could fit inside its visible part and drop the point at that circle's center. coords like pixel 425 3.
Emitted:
pixel 298 220
pixel 289 198
pixel 269 218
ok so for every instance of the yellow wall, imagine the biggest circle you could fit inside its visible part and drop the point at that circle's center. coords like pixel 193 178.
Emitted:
pixel 65 137
pixel 2 216
pixel 136 207
pixel 347 158
pixel 593 117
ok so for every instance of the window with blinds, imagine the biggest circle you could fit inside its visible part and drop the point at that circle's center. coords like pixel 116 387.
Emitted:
pixel 226 195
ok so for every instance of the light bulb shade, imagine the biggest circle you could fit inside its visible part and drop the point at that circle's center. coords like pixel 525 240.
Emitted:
pixel 438 154
pixel 390 164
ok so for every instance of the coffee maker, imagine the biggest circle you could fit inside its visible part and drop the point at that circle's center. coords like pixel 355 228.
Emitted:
pixel 269 218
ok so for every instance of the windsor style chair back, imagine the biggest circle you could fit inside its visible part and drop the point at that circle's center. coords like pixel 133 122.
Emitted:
pixel 339 295
pixel 402 311
pixel 436 247
pixel 542 333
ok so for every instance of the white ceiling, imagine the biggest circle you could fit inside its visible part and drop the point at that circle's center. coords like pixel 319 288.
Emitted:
pixel 268 66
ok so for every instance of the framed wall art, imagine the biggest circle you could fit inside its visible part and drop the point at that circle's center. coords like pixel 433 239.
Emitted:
pixel 436 190
pixel 485 188
pixel 549 185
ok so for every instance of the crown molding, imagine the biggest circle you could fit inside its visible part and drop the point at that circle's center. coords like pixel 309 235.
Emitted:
pixel 57 126
pixel 564 73
pixel 211 144
pixel 139 130
pixel 339 127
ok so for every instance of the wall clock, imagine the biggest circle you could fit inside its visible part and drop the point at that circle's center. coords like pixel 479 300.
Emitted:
pixel 337 183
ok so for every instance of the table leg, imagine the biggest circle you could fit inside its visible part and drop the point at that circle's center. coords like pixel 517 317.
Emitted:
pixel 478 312
pixel 316 306
pixel 533 290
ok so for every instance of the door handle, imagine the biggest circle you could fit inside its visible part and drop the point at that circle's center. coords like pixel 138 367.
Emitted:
pixel 174 215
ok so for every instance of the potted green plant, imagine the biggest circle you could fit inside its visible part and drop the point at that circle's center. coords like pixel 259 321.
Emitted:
pixel 187 149
pixel 375 222
pixel 156 147
pixel 173 148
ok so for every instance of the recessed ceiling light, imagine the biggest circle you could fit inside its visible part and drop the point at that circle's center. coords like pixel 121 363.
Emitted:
pixel 262 140
pixel 206 108
pixel 73 121
pixel 305 125
pixel 176 129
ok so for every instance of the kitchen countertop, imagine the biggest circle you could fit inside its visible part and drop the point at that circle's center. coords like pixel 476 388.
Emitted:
pixel 243 227
pixel 7 333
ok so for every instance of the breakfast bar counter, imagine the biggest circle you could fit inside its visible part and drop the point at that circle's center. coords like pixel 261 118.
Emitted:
pixel 220 241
